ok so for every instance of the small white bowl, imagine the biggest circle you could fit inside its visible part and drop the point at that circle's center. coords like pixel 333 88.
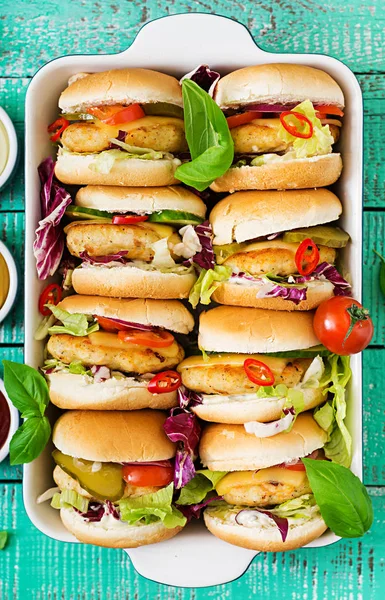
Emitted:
pixel 4 450
pixel 13 148
pixel 10 299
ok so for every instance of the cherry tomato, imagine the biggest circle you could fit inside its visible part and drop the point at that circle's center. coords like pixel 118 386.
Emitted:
pixel 329 109
pixel 128 219
pixel 306 257
pixel 258 372
pixel 148 475
pixel 342 325
pixel 52 294
pixel 117 114
pixel 57 128
pixel 165 382
pixel 294 128
pixel 243 118
pixel 151 339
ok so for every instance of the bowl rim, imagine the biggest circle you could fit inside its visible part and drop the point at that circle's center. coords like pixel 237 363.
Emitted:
pixel 13 281
pixel 14 424
pixel 13 147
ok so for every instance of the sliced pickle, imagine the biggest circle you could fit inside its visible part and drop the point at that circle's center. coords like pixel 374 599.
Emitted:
pixel 324 235
pixel 83 213
pixel 106 483
pixel 164 109
pixel 224 252
pixel 176 217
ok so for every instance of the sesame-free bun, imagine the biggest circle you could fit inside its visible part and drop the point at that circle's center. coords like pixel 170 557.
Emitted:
pixel 131 282
pixel 143 199
pixel 225 447
pixel 75 169
pixel 115 535
pixel 172 315
pixel 279 83
pixel 247 215
pixel 120 86
pixel 267 538
pixel 113 436
pixel 251 408
pixel 70 391
pixel 317 171
pixel 240 295
pixel 254 331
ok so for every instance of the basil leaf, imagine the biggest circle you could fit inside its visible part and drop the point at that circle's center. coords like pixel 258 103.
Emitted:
pixel 382 271
pixel 26 388
pixel 3 539
pixel 342 498
pixel 208 136
pixel 29 440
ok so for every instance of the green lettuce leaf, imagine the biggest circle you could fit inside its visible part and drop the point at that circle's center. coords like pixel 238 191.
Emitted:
pixel 320 142
pixel 69 498
pixel 151 508
pixel 297 508
pixel 73 324
pixel 207 283
pixel 104 161
pixel 331 416
pixel 196 490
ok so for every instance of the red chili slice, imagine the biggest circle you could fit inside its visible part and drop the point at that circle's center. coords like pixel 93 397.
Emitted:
pixel 165 382
pixel 258 372
pixel 307 257
pixel 292 128
pixel 52 294
pixel 57 128
pixel 128 219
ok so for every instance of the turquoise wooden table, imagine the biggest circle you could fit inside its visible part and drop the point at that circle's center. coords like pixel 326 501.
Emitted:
pixel 32 32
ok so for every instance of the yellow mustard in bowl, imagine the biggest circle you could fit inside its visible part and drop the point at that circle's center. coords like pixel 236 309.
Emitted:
pixel 4 280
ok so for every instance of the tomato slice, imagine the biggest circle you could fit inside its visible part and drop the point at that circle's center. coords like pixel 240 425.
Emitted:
pixel 151 339
pixel 296 129
pixel 117 114
pixel 111 325
pixel 258 372
pixel 128 219
pixel 57 128
pixel 299 466
pixel 329 109
pixel 306 257
pixel 52 294
pixel 243 118
pixel 147 475
pixel 165 382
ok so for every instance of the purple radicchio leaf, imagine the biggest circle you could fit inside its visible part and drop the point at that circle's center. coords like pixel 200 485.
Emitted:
pixel 187 397
pixel 204 77
pixel 100 373
pixel 104 259
pixel 184 469
pixel 205 258
pixel 182 427
pixel 121 137
pixel 132 325
pixel 110 509
pixel 294 294
pixel 194 510
pixel 48 246
pixel 95 512
pixel 281 523
pixel 341 286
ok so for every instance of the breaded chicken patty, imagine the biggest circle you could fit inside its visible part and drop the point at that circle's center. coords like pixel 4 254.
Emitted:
pixel 232 379
pixel 66 482
pixel 158 133
pixel 275 257
pixel 263 492
pixel 261 135
pixel 98 239
pixel 130 358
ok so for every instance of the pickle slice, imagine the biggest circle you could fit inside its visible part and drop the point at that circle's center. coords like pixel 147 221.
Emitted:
pixel 106 483
pixel 83 213
pixel 324 235
pixel 176 217
pixel 164 109
pixel 224 252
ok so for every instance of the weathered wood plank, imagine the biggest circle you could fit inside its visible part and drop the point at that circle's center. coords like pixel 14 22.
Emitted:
pixel 347 570
pixel 12 234
pixel 374 237
pixel 353 33
pixel 6 471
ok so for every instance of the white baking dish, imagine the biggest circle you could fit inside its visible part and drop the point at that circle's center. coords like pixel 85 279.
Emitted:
pixel 175 45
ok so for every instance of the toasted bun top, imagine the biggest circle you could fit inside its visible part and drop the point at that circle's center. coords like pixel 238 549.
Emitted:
pixel 254 330
pixel 121 86
pixel 277 84
pixel 113 436
pixel 170 314
pixel 248 215
pixel 231 445
pixel 140 199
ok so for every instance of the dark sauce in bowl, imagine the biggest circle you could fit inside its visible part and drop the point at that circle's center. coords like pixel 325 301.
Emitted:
pixel 5 420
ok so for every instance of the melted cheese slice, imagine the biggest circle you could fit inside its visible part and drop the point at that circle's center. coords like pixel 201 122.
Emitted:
pixel 111 340
pixel 251 478
pixel 277 365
